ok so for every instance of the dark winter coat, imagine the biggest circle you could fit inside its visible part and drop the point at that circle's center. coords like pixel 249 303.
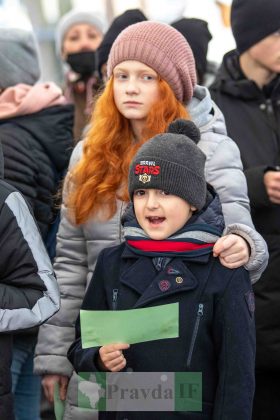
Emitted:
pixel 216 326
pixel 253 121
pixel 36 151
pixel 28 289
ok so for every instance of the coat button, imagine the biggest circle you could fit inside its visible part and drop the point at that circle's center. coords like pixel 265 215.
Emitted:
pixel 179 280
pixel 164 285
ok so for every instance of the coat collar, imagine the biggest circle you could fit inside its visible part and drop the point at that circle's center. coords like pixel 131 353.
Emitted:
pixel 143 278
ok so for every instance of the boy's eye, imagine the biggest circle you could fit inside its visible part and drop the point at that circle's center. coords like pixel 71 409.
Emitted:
pixel 164 192
pixel 139 192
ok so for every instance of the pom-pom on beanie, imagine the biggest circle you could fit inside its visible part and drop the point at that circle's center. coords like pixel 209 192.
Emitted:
pixel 160 47
pixel 172 162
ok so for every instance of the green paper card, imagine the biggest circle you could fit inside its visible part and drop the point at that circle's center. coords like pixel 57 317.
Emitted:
pixel 59 405
pixel 99 328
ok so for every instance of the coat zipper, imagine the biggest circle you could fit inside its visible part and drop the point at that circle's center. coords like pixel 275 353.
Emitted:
pixel 115 299
pixel 195 331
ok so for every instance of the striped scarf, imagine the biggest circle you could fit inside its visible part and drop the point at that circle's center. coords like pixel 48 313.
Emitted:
pixel 192 240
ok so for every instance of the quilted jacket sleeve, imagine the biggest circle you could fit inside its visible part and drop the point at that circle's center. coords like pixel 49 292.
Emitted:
pixel 71 267
pixel 224 171
pixel 28 288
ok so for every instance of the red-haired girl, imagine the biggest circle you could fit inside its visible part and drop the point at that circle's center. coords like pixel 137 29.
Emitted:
pixel 152 81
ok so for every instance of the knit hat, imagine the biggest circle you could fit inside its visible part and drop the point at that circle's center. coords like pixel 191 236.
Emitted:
pixel 119 23
pixel 198 36
pixel 75 17
pixel 160 47
pixel 172 162
pixel 19 61
pixel 253 20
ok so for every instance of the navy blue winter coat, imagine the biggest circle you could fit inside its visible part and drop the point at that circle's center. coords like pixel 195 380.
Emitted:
pixel 216 327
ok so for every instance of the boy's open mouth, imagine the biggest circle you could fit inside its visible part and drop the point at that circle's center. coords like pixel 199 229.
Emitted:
pixel 155 220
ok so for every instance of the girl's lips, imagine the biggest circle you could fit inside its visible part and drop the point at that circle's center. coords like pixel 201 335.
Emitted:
pixel 132 103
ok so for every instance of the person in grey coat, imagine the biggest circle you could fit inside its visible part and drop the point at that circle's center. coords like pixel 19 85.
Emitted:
pixel 87 226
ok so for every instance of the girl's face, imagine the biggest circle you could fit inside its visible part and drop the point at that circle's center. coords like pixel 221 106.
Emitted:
pixel 136 89
pixel 159 213
pixel 81 37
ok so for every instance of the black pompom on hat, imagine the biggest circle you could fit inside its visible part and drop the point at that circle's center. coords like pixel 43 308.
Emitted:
pixel 172 162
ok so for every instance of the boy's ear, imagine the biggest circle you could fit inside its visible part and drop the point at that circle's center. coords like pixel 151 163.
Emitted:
pixel 193 208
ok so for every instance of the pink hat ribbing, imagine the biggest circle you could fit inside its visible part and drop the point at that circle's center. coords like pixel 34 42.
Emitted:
pixel 160 47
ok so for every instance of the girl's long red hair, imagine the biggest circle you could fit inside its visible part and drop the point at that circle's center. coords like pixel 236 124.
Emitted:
pixel 100 177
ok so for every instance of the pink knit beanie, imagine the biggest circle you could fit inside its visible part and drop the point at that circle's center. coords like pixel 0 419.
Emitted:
pixel 160 47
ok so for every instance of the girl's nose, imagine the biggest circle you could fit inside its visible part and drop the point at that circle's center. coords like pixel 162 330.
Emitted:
pixel 132 86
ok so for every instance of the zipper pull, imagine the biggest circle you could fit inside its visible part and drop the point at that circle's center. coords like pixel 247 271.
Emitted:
pixel 115 298
pixel 200 309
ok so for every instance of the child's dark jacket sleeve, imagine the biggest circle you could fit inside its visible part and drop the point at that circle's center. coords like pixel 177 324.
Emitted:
pixel 84 360
pixel 234 335
pixel 28 289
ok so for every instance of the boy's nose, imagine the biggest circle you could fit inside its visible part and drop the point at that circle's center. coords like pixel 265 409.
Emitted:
pixel 152 202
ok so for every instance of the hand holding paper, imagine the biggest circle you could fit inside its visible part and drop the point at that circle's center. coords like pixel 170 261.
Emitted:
pixel 112 358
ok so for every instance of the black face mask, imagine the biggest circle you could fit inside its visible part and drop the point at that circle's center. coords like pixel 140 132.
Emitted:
pixel 85 63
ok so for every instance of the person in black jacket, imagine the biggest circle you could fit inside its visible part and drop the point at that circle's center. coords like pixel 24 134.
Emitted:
pixel 36 134
pixel 167 258
pixel 247 90
pixel 28 289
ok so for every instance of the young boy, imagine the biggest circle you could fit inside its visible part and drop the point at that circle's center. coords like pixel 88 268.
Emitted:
pixel 167 258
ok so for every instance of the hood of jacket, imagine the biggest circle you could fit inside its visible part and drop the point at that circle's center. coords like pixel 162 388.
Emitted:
pixel 231 80
pixel 52 128
pixel 205 113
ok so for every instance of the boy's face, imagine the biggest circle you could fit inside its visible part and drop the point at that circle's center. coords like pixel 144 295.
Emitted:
pixel 159 213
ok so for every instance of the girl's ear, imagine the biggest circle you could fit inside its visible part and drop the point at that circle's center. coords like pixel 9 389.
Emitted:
pixel 193 208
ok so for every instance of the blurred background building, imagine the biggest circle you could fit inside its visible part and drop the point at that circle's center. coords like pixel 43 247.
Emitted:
pixel 43 15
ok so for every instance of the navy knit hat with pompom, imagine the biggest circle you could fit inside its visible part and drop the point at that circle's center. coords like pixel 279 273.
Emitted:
pixel 172 162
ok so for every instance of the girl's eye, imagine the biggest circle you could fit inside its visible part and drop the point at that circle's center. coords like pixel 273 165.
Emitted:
pixel 149 77
pixel 120 76
pixel 164 192
pixel 139 193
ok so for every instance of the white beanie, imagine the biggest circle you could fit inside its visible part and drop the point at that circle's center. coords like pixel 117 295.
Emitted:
pixel 74 17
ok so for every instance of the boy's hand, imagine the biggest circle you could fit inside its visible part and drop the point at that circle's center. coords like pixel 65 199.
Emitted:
pixel 232 250
pixel 112 358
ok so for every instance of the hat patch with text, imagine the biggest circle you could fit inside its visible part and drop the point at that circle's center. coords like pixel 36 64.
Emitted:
pixel 145 169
